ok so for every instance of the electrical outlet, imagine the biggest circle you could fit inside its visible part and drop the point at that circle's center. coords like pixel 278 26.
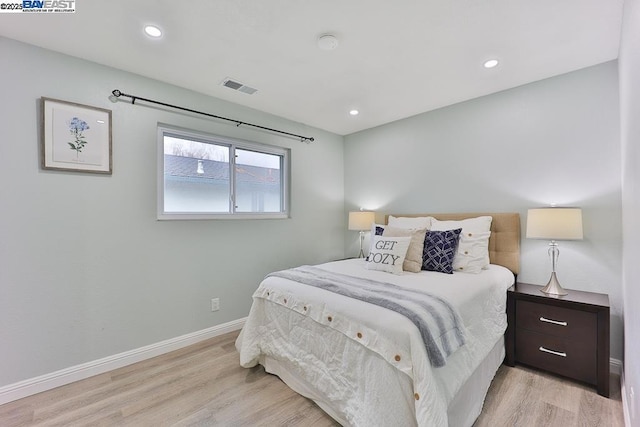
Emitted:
pixel 215 304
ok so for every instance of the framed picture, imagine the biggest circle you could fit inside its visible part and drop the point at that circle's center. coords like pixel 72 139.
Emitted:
pixel 75 137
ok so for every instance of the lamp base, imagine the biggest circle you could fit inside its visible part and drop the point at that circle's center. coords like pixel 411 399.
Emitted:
pixel 361 240
pixel 553 287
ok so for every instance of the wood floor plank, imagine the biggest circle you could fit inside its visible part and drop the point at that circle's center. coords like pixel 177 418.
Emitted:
pixel 116 395
pixel 562 393
pixel 204 385
pixel 512 396
pixel 552 415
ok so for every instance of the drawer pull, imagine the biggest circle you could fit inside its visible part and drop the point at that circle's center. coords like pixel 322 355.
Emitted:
pixel 557 353
pixel 555 322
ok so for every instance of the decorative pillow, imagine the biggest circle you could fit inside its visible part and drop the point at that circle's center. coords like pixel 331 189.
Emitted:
pixel 376 230
pixel 410 223
pixel 473 250
pixel 387 253
pixel 413 259
pixel 439 250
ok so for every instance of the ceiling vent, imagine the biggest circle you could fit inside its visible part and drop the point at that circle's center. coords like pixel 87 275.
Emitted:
pixel 236 85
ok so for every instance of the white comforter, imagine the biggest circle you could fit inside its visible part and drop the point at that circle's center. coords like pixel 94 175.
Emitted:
pixel 366 365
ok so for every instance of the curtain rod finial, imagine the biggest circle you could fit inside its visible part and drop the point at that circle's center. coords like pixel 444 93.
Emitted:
pixel 114 95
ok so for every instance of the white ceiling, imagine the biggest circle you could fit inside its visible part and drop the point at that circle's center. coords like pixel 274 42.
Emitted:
pixel 394 60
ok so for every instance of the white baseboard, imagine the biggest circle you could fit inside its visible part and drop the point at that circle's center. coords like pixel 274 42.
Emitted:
pixel 625 402
pixel 31 386
pixel 615 366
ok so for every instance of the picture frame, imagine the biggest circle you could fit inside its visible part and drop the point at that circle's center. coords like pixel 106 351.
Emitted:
pixel 75 137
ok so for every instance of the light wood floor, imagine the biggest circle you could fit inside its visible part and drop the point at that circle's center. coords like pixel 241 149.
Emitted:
pixel 203 385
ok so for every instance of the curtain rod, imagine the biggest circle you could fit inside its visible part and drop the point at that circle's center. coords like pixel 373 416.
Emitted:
pixel 117 94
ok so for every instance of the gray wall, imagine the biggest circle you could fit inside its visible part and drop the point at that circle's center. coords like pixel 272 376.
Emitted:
pixel 86 270
pixel 630 112
pixel 553 141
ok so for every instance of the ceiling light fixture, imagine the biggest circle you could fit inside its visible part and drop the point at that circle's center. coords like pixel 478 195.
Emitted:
pixel 153 31
pixel 327 42
pixel 491 63
pixel 354 112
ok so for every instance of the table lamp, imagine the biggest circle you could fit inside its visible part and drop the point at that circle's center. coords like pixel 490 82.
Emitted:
pixel 361 221
pixel 554 224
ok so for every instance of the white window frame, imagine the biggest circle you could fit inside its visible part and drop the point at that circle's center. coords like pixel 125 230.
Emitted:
pixel 232 144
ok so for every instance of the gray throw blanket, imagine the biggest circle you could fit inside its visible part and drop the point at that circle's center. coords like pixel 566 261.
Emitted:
pixel 438 322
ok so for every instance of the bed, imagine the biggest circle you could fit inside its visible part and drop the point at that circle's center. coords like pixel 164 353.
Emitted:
pixel 367 365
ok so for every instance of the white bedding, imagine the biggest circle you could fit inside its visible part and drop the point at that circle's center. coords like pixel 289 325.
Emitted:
pixel 366 365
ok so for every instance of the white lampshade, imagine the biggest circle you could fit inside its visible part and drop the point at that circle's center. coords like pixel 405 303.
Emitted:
pixel 554 224
pixel 361 220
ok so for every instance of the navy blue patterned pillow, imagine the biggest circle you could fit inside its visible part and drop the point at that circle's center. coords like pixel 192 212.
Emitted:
pixel 439 250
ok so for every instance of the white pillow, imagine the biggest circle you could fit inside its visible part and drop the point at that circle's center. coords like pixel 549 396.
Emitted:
pixel 473 249
pixel 387 253
pixel 410 223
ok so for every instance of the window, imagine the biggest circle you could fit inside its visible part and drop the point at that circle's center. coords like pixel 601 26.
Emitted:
pixel 206 176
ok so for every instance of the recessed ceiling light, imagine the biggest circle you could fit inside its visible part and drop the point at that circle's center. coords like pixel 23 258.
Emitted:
pixel 153 31
pixel 491 63
pixel 354 112
pixel 327 42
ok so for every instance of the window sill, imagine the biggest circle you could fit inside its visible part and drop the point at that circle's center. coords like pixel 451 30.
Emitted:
pixel 206 216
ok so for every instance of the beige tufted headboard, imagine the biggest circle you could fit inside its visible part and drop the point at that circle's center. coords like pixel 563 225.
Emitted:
pixel 504 243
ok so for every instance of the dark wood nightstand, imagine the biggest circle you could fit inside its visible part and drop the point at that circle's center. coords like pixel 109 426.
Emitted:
pixel 567 335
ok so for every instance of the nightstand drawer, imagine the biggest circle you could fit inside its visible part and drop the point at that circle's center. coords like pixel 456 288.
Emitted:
pixel 558 321
pixel 575 359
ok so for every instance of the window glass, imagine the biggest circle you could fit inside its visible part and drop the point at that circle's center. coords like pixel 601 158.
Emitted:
pixel 196 176
pixel 258 186
pixel 197 180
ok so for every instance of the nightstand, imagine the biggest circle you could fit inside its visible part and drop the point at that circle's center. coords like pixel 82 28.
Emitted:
pixel 567 335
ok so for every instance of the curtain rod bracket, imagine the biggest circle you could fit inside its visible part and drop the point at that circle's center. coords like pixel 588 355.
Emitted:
pixel 117 94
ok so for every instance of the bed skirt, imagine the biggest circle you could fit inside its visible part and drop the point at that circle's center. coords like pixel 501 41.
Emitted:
pixel 463 410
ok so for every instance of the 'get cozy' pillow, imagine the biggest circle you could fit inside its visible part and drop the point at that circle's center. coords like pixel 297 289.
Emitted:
pixel 413 258
pixel 387 253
